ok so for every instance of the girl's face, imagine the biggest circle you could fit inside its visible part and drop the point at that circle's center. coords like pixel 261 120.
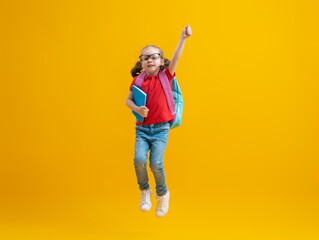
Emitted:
pixel 151 60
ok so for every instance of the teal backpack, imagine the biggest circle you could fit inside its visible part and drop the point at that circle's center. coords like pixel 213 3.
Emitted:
pixel 174 98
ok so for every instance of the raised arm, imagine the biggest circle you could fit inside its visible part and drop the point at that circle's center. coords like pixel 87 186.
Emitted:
pixel 187 32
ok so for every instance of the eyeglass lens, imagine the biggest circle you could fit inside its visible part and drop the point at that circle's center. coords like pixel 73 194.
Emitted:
pixel 153 56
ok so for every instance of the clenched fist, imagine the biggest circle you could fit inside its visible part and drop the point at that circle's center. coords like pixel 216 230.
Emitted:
pixel 143 111
pixel 187 32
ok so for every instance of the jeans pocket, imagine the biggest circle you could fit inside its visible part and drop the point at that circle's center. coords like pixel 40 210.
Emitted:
pixel 166 127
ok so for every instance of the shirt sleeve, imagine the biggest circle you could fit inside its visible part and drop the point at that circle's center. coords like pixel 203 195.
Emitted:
pixel 169 75
pixel 133 83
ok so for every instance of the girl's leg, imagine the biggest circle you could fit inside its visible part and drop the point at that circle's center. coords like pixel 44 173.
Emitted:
pixel 140 160
pixel 158 146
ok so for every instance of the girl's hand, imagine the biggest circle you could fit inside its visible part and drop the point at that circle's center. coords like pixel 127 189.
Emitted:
pixel 187 32
pixel 143 111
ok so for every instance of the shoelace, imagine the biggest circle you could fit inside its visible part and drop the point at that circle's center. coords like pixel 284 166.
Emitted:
pixel 144 196
pixel 160 203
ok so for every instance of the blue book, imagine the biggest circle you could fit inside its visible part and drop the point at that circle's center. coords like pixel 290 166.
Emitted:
pixel 139 98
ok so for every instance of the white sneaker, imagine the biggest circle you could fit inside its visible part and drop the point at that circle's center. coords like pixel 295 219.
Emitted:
pixel 146 204
pixel 162 205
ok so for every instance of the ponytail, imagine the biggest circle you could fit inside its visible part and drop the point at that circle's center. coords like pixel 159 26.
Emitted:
pixel 166 64
pixel 137 69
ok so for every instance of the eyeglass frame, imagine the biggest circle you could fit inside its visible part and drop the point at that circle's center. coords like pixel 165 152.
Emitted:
pixel 149 56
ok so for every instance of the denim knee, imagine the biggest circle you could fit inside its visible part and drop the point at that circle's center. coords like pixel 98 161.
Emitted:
pixel 156 167
pixel 140 160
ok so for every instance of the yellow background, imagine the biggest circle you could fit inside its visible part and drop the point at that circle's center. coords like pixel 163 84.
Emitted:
pixel 244 163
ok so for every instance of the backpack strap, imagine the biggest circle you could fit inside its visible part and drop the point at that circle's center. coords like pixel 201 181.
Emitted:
pixel 168 92
pixel 140 78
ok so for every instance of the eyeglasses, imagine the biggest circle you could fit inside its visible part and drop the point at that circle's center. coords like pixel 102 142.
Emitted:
pixel 153 56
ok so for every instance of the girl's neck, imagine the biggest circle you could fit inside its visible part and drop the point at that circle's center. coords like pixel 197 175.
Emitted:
pixel 152 74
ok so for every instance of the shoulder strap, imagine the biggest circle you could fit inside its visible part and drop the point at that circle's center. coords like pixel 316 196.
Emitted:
pixel 140 78
pixel 168 91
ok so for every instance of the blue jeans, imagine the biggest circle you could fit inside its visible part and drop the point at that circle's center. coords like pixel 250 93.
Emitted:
pixel 151 137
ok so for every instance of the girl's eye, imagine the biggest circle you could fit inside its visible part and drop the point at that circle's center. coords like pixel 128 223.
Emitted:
pixel 154 56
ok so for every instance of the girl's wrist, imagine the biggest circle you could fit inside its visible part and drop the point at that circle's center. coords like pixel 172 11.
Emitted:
pixel 182 39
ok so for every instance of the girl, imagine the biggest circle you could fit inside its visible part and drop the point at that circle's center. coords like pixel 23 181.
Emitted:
pixel 152 134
